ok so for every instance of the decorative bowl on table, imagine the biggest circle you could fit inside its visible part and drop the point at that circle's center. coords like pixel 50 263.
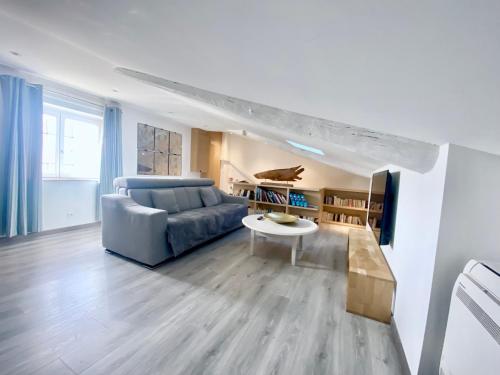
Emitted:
pixel 280 217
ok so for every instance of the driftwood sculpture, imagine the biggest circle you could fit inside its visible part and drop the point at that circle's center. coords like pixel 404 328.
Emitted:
pixel 286 174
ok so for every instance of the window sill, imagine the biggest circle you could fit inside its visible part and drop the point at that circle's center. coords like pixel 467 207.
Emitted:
pixel 69 179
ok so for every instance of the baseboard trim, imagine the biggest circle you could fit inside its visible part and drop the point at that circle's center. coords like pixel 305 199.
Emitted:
pixel 399 348
pixel 30 236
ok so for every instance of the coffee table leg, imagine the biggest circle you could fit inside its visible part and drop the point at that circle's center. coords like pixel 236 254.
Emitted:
pixel 295 244
pixel 300 243
pixel 252 241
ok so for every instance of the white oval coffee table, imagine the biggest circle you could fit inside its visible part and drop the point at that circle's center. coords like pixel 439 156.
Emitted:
pixel 268 227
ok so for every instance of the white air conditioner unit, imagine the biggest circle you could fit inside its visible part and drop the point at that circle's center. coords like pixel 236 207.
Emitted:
pixel 472 341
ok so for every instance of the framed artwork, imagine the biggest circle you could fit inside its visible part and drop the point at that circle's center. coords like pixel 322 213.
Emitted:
pixel 174 165
pixel 159 151
pixel 175 143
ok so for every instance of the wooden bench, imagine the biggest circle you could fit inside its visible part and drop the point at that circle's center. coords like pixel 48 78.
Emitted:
pixel 370 283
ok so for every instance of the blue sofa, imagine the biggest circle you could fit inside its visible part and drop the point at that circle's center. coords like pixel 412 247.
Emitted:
pixel 151 219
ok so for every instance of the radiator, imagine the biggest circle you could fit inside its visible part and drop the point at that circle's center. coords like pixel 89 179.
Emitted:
pixel 472 340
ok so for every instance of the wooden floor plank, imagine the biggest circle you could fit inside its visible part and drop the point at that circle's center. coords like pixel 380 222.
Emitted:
pixel 68 307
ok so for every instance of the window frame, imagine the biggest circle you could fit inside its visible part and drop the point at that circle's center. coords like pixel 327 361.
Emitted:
pixel 61 114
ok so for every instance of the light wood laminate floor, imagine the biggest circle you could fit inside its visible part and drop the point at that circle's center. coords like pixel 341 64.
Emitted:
pixel 67 307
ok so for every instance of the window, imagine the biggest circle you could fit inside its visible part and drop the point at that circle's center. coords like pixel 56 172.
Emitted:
pixel 306 148
pixel 71 144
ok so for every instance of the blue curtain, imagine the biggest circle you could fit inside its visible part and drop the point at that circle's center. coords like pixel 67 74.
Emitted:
pixel 111 154
pixel 21 111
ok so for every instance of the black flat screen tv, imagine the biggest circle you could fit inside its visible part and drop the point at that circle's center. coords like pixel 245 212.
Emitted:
pixel 380 209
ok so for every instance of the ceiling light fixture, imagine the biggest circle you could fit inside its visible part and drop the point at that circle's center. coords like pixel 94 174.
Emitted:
pixel 306 148
pixel 15 53
pixel 115 90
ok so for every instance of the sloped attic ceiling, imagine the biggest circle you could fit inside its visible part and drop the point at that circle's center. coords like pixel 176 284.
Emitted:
pixel 362 149
pixel 425 70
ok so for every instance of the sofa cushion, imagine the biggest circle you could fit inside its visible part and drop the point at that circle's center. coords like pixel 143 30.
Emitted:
pixel 194 197
pixel 229 215
pixel 182 198
pixel 164 199
pixel 141 196
pixel 192 227
pixel 208 197
pixel 218 194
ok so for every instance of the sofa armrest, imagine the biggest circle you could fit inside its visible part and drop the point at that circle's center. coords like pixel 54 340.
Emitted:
pixel 226 198
pixel 134 231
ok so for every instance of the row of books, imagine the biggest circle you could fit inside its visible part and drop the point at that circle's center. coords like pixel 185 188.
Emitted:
pixel 250 194
pixel 270 196
pixel 373 222
pixel 376 206
pixel 345 202
pixel 342 218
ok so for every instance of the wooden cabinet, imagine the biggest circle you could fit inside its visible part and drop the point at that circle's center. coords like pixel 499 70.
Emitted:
pixel 200 148
pixel 370 283
pixel 205 153
pixel 214 150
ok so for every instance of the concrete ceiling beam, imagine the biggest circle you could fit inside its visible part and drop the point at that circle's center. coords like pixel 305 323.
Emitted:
pixel 377 148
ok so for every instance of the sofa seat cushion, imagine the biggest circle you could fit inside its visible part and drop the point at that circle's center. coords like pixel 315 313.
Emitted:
pixel 189 228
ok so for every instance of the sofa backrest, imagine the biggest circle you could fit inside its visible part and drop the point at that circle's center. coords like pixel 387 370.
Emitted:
pixel 186 190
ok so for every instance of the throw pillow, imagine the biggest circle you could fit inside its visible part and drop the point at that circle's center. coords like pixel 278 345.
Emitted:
pixel 165 200
pixel 209 197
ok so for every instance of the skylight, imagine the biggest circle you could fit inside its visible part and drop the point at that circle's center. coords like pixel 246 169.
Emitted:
pixel 306 148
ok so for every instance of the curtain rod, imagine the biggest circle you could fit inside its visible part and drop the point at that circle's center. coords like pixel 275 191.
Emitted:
pixel 51 90
pixel 74 97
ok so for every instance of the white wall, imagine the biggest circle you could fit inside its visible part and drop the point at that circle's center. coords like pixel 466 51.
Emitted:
pixel 444 218
pixel 133 115
pixel 469 229
pixel 411 258
pixel 244 157
pixel 67 203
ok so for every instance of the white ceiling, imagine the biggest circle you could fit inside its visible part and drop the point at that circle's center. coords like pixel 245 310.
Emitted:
pixel 427 70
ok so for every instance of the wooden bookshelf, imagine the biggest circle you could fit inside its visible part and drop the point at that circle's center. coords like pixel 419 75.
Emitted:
pixel 345 208
pixel 312 196
pixel 237 186
pixel 317 198
pixel 348 204
pixel 377 198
